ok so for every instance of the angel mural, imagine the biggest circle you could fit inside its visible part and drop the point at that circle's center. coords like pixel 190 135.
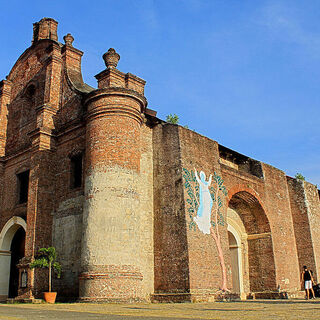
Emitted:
pixel 205 200
pixel 203 217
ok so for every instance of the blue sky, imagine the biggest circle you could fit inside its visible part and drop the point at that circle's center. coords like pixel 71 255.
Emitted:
pixel 244 73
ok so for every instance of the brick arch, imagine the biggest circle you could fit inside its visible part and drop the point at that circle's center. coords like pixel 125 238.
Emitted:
pixel 8 231
pixel 6 236
pixel 251 199
pixel 243 188
pixel 248 206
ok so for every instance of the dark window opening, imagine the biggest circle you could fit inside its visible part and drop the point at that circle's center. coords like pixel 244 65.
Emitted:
pixel 23 179
pixel 30 91
pixel 76 171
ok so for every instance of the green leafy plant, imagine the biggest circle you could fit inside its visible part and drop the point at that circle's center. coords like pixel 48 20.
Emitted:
pixel 172 118
pixel 47 259
pixel 299 176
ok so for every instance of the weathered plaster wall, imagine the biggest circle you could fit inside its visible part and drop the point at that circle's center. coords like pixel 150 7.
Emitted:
pixel 118 226
pixel 67 234
pixel 146 208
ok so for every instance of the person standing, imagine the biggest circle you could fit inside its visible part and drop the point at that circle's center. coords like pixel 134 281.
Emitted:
pixel 307 280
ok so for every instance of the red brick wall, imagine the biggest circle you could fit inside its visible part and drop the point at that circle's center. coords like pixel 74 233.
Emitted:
pixel 61 117
pixel 45 151
pixel 301 224
pixel 113 139
pixel 272 256
pixel 278 210
pixel 201 154
pixel 9 194
pixel 171 250
pixel 304 200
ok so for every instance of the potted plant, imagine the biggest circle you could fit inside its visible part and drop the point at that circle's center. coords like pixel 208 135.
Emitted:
pixel 47 259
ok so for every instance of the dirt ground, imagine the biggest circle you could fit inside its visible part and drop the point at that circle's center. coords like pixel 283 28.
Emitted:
pixel 246 310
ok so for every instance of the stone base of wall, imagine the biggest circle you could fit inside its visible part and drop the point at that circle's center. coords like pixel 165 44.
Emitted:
pixel 211 297
pixel 268 295
pixel 21 300
pixel 193 297
pixel 297 294
pixel 118 284
pixel 3 297
pixel 110 300
pixel 170 297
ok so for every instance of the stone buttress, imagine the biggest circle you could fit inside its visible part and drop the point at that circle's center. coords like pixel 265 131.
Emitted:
pixel 110 244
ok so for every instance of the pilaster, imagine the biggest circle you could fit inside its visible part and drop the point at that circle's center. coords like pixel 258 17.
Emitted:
pixel 5 91
pixel 70 55
pixel 53 77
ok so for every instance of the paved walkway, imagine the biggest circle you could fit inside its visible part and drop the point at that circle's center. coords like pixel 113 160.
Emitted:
pixel 246 310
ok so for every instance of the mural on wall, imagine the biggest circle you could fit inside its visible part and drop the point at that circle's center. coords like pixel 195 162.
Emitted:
pixel 205 204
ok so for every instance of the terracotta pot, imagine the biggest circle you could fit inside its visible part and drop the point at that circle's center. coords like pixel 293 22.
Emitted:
pixel 50 297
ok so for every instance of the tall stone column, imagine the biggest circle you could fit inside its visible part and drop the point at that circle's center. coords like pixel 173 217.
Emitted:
pixel 110 246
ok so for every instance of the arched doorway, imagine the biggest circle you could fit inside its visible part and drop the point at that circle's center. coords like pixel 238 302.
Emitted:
pixel 250 244
pixel 12 243
pixel 238 247
pixel 17 252
pixel 235 259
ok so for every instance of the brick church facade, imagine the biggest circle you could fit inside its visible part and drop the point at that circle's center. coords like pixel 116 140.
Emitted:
pixel 138 209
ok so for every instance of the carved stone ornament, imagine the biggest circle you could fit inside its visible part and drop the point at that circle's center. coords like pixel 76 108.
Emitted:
pixel 111 58
pixel 68 39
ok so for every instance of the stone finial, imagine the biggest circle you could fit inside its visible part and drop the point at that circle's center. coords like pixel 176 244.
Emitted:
pixel 111 58
pixel 68 39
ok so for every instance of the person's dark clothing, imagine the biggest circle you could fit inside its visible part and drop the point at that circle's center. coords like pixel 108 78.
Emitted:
pixel 306 275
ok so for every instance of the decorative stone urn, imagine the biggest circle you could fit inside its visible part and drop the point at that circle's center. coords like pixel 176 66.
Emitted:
pixel 68 39
pixel 111 58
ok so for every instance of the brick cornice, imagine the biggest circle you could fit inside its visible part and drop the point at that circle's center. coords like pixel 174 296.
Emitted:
pixel 41 139
pixel 66 48
pixel 46 107
pixel 117 91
